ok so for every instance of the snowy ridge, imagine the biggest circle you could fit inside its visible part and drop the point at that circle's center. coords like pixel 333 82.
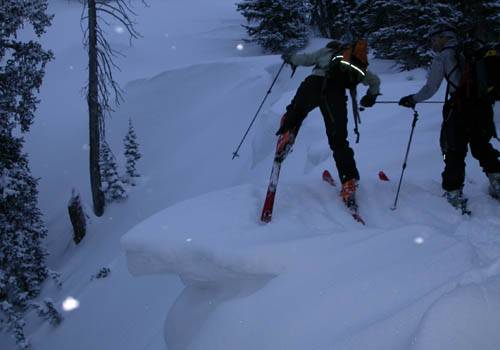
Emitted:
pixel 374 284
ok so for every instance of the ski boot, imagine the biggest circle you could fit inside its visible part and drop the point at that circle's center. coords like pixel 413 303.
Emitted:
pixel 348 194
pixel 457 200
pixel 494 188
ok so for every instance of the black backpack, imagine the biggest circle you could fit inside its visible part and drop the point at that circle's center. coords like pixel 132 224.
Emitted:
pixel 480 68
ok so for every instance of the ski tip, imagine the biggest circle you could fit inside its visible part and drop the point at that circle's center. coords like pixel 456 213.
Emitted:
pixel 328 178
pixel 358 219
pixel 266 217
pixel 382 176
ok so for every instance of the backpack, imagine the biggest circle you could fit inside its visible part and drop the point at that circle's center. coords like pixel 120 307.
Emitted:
pixel 480 68
pixel 348 68
pixel 348 65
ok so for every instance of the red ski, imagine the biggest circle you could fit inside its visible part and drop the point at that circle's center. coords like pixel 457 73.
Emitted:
pixel 283 148
pixel 327 177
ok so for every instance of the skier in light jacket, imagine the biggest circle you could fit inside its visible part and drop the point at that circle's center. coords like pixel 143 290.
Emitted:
pixel 328 92
pixel 465 122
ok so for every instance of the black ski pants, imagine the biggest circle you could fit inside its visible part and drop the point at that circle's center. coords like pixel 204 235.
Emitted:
pixel 465 125
pixel 316 91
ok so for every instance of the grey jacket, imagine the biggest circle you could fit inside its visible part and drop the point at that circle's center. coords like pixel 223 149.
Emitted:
pixel 443 64
pixel 321 60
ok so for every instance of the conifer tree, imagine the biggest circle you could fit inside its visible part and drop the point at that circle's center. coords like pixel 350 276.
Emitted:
pixel 474 19
pixel 22 257
pixel 132 154
pixel 280 25
pixel 101 82
pixel 112 184
pixel 321 11
pixel 403 32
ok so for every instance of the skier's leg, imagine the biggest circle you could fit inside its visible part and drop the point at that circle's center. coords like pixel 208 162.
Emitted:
pixel 334 110
pixel 305 100
pixel 453 143
pixel 481 148
pixel 482 132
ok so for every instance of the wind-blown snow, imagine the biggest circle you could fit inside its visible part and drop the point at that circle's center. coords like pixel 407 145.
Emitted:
pixel 191 264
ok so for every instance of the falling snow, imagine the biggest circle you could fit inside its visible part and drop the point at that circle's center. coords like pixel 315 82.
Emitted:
pixel 70 304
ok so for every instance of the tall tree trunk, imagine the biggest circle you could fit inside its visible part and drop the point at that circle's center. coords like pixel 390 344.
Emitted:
pixel 94 113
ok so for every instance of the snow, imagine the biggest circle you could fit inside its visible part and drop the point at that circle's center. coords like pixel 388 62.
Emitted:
pixel 191 265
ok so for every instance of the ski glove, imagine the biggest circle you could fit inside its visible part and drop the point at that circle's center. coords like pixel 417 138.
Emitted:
pixel 288 124
pixel 407 101
pixel 287 58
pixel 368 100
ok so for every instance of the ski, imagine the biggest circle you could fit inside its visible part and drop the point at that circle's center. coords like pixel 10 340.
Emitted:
pixel 382 176
pixel 327 177
pixel 283 148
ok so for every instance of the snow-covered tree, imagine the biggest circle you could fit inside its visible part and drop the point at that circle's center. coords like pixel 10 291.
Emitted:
pixel 47 310
pixel 132 154
pixel 474 19
pixel 113 187
pixel 341 19
pixel 22 257
pixel 402 32
pixel 279 25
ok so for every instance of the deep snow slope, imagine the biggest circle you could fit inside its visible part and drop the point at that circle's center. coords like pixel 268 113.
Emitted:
pixel 313 278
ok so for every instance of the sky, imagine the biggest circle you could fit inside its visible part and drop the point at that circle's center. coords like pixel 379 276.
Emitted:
pixel 191 266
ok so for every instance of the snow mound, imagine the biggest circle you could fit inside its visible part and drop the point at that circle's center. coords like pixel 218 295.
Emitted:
pixel 467 318
pixel 355 288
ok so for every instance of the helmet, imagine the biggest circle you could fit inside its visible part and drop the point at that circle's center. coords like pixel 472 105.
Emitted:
pixel 442 29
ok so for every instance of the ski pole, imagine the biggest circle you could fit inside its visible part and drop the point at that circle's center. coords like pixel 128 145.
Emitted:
pixel 397 102
pixel 235 153
pixel 415 118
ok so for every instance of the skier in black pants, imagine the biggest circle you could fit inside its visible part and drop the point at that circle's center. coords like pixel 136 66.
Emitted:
pixel 326 89
pixel 465 121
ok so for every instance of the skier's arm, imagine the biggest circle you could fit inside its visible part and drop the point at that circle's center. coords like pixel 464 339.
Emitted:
pixel 311 59
pixel 373 82
pixel 436 75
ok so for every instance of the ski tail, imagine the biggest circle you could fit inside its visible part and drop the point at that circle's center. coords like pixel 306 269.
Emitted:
pixel 283 148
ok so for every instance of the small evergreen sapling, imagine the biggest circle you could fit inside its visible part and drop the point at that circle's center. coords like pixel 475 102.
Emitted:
pixel 112 184
pixel 47 310
pixel 132 155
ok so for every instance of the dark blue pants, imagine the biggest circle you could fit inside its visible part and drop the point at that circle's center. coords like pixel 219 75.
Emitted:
pixel 467 125
pixel 316 91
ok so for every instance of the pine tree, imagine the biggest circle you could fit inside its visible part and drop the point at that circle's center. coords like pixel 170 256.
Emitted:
pixel 101 82
pixel 281 25
pixel 320 17
pixel 22 257
pixel 402 35
pixel 112 184
pixel 22 262
pixel 343 14
pixel 132 154
pixel 474 19
pixel 341 19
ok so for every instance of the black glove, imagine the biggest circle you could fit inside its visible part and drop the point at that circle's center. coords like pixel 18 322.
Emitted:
pixel 288 124
pixel 368 100
pixel 287 57
pixel 407 101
